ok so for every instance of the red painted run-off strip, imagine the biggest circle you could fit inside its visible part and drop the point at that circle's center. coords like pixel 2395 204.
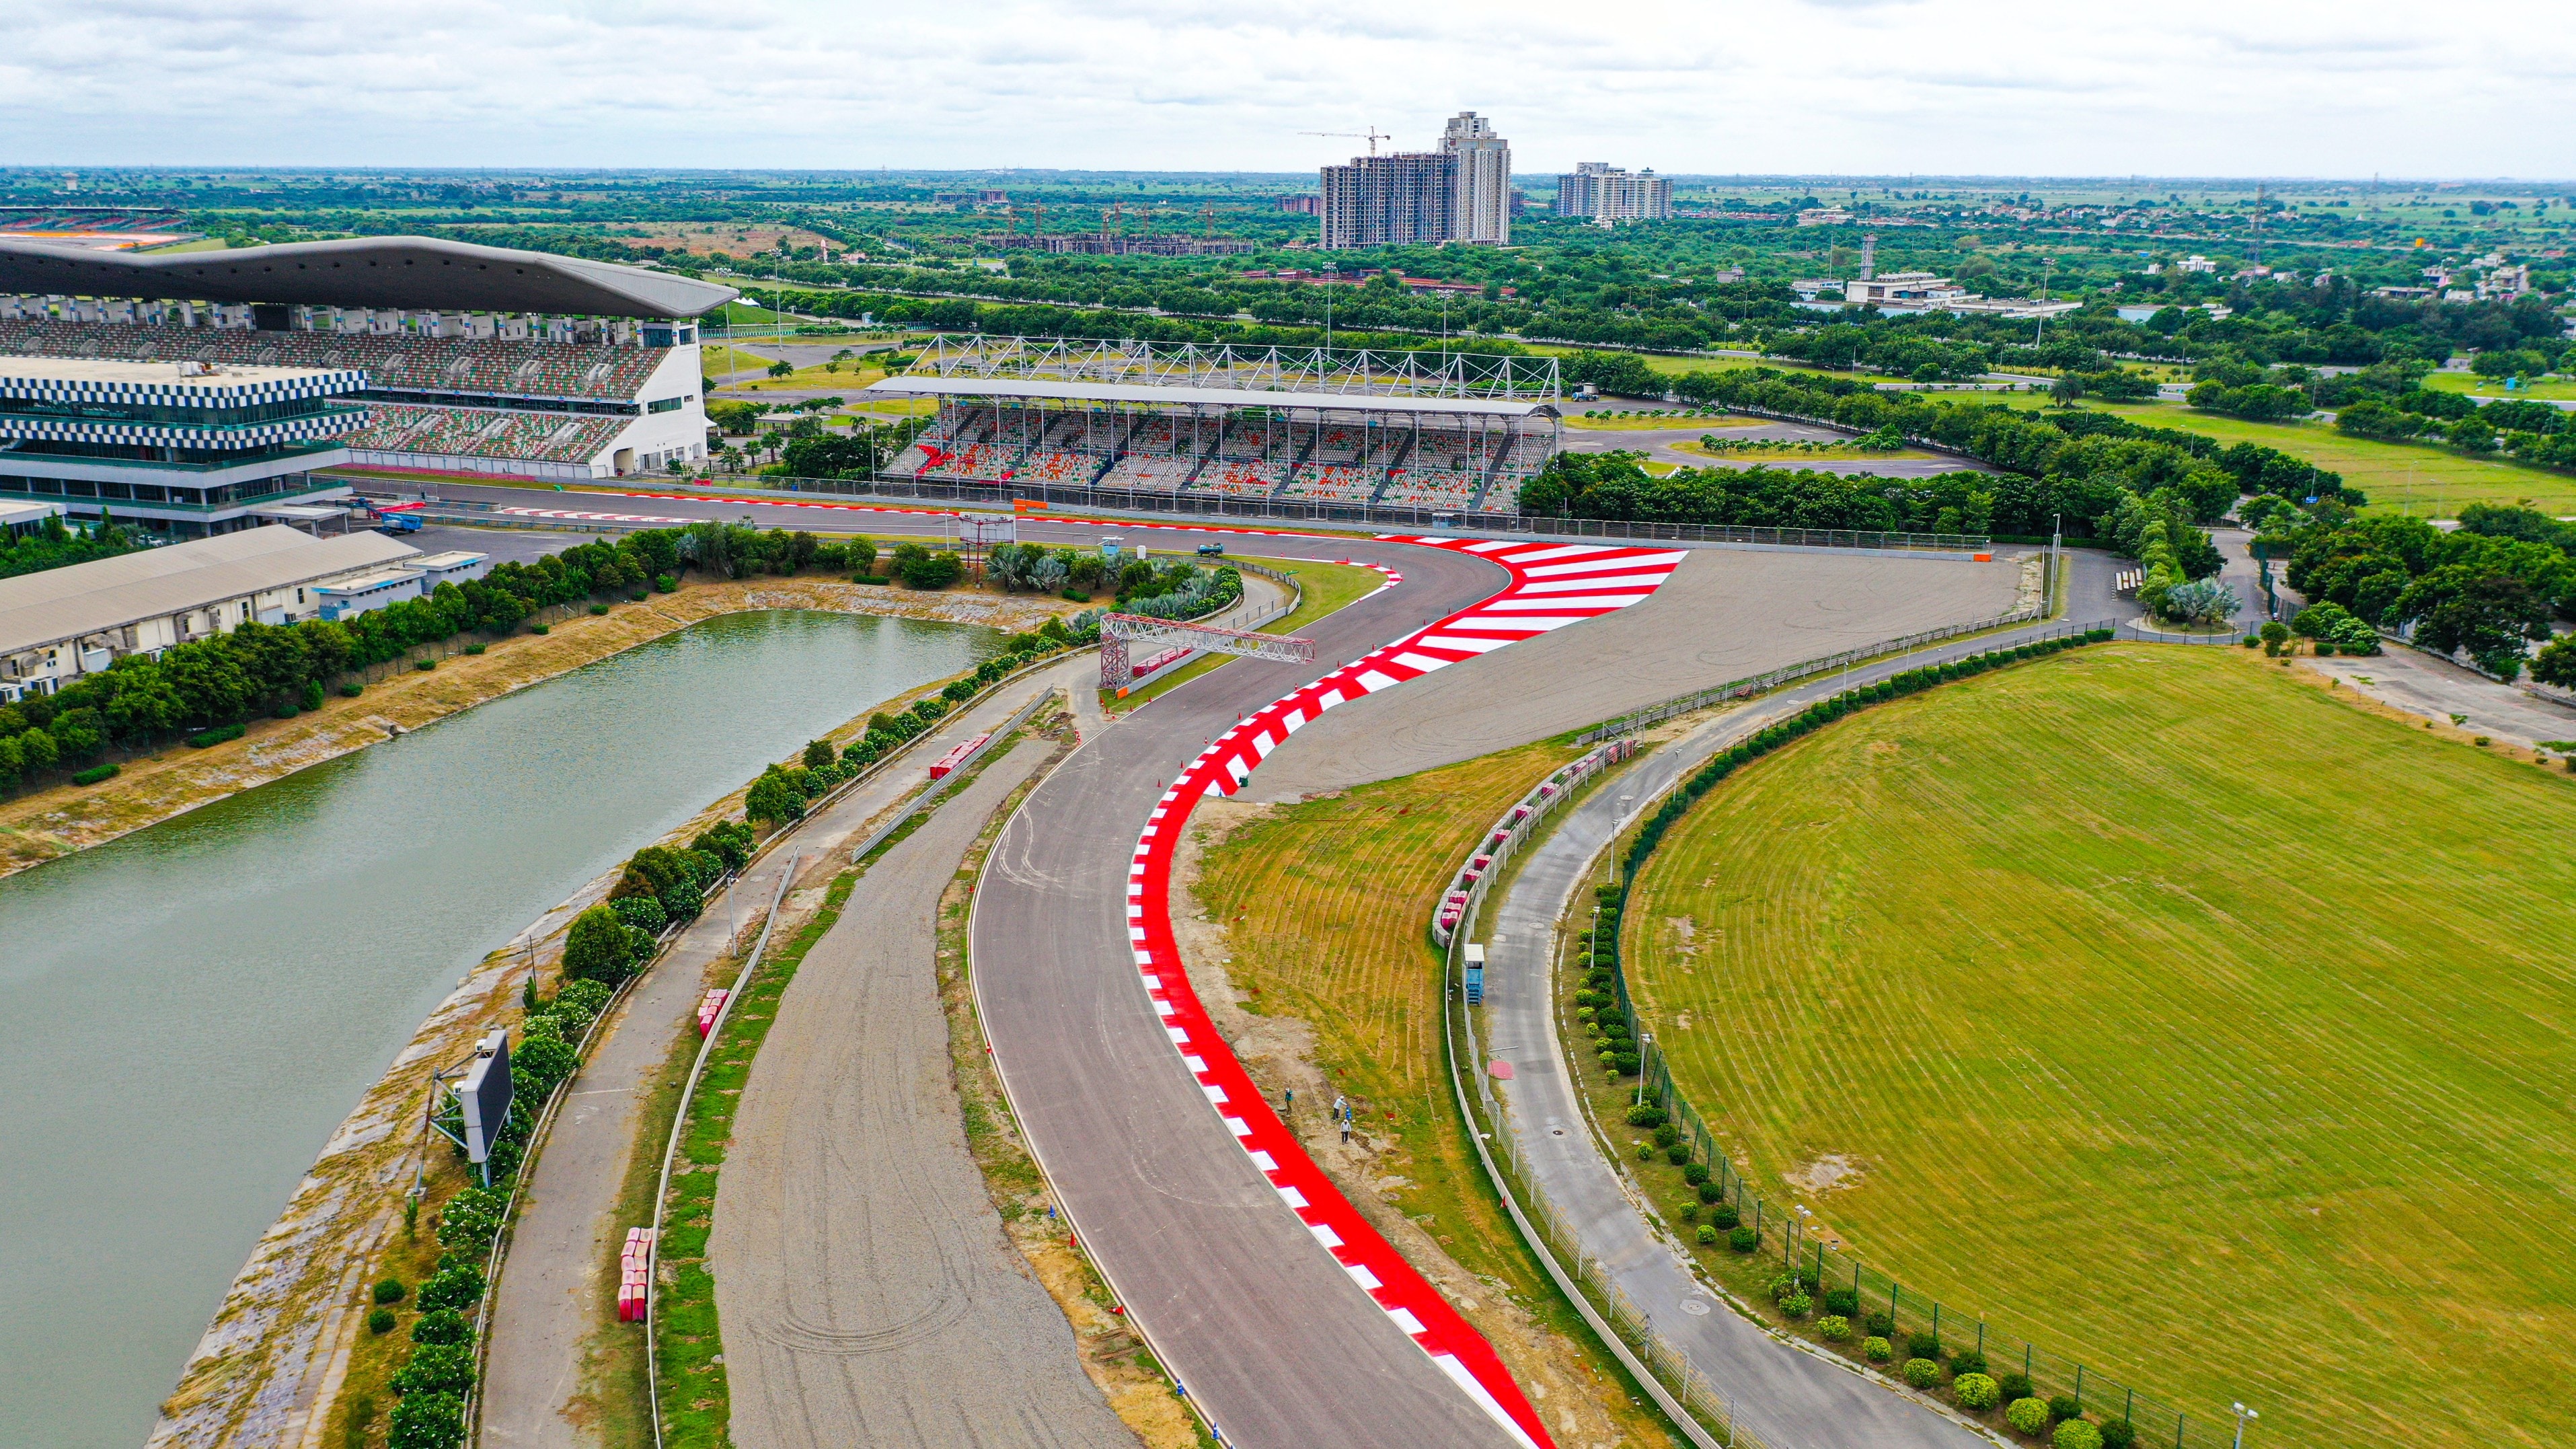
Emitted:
pixel 1552 586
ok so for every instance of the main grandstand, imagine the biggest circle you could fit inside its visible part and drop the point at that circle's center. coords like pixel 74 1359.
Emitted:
pixel 1179 422
pixel 474 359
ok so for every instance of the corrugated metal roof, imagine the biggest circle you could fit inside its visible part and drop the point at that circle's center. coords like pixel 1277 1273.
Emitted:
pixel 1223 397
pixel 59 604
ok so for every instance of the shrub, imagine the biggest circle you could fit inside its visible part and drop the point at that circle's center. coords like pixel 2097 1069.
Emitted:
pixel 1921 1373
pixel 2119 1434
pixel 1883 1323
pixel 1967 1361
pixel 1726 1214
pixel 2076 1434
pixel 476 648
pixel 1798 1304
pixel 380 1322
pixel 286 709
pixel 1975 1391
pixel 1690 1213
pixel 1833 1328
pixel 95 774
pixel 2062 1407
pixel 1876 1349
pixel 597 947
pixel 540 629
pixel 1744 1239
pixel 389 1290
pixel 1645 1152
pixel 2015 1385
pixel 1628 1064
pixel 352 690
pixel 1923 1345
pixel 208 739
pixel 437 1368
pixel 424 665
pixel 427 1421
pixel 1707 1234
pixel 1710 1192
pixel 1678 1153
pixel 445 1325
pixel 451 1288
pixel 2030 1416
pixel 644 913
pixel 666 583
pixel 1695 1173
pixel 1845 1301
pixel 1644 1116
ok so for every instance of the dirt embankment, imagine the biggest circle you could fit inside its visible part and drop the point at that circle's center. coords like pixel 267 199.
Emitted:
pixel 48 823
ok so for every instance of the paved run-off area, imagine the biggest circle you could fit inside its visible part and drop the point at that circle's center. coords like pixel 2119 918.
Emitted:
pixel 867 1292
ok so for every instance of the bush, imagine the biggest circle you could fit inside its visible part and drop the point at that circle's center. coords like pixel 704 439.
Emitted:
pixel 427 1421
pixel 453 1288
pixel 208 739
pixel 1644 1116
pixel 438 1368
pixel 1845 1301
pixel 666 583
pixel 1710 1193
pixel 1975 1391
pixel 424 665
pixel 1725 1215
pixel 2030 1416
pixel 352 690
pixel 2119 1434
pixel 1876 1349
pixel 1678 1153
pixel 2062 1407
pixel 644 913
pixel 1798 1304
pixel 1707 1234
pixel 380 1322
pixel 598 609
pixel 1690 1212
pixel 1921 1373
pixel 540 629
pixel 1833 1328
pixel 2076 1434
pixel 476 648
pixel 1628 1064
pixel 445 1325
pixel 2014 1385
pixel 389 1291
pixel 95 774
pixel 1695 1173
pixel 1923 1345
pixel 1744 1239
pixel 597 947
pixel 1967 1361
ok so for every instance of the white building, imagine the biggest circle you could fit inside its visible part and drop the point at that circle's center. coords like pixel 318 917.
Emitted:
pixel 62 623
pixel 1608 193
pixel 1481 208
pixel 1926 290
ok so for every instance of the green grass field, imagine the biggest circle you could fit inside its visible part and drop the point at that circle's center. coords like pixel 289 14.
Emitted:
pixel 2170 1013
pixel 2476 386
pixel 1321 588
pixel 2420 478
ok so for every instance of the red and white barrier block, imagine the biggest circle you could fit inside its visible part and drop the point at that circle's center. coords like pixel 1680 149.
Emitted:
pixel 1553 585
pixel 634 1275
pixel 709 1007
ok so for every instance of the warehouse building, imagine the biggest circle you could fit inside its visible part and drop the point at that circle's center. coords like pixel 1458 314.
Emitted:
pixel 62 623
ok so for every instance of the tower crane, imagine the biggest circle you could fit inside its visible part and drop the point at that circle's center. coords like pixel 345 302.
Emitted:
pixel 1372 135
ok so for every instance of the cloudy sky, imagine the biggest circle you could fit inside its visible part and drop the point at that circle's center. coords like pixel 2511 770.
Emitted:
pixel 1994 87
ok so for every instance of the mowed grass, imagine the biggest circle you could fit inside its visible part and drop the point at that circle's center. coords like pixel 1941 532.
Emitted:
pixel 2427 479
pixel 2178 1017
pixel 2469 383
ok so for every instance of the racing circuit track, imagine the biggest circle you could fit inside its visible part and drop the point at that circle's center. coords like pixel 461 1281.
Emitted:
pixel 1283 1330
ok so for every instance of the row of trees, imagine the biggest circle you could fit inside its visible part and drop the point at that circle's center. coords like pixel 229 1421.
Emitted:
pixel 56 544
pixel 141 702
pixel 2488 590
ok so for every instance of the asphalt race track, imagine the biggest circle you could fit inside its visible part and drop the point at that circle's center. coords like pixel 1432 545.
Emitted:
pixel 1274 1339
pixel 1724 615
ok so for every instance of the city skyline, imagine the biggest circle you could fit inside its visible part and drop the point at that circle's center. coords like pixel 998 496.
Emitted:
pixel 2298 88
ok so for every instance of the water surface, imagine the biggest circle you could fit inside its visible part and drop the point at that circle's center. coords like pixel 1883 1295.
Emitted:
pixel 190 1010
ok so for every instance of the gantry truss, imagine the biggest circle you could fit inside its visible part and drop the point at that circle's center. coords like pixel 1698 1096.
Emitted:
pixel 1119 633
pixel 1361 371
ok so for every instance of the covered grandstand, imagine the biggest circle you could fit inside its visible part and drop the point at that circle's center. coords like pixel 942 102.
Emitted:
pixel 476 359
pixel 1165 425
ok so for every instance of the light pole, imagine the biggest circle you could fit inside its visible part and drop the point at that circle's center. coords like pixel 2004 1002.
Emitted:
pixel 1646 1040
pixel 2242 1414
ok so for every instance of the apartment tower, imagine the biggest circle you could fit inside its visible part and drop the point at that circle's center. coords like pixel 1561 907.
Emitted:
pixel 1481 207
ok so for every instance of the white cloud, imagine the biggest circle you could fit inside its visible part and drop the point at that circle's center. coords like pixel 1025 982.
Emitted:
pixel 2189 87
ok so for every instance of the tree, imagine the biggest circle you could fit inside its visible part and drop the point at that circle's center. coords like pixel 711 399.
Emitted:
pixel 597 948
pixel 781 368
pixel 774 798
pixel 2489 617
pixel 2066 389
pixel 2556 664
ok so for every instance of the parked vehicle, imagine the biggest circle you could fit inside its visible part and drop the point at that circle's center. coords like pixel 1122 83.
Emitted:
pixel 1211 550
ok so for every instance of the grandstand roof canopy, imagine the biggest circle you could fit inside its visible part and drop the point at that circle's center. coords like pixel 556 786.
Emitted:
pixel 412 273
pixel 1220 397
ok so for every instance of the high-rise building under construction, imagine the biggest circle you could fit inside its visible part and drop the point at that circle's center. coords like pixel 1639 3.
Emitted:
pixel 1461 192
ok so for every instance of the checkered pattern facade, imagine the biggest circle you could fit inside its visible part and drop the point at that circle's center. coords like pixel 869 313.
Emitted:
pixel 206 392
pixel 277 433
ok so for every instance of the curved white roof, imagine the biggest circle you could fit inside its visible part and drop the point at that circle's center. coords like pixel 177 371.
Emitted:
pixel 402 272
